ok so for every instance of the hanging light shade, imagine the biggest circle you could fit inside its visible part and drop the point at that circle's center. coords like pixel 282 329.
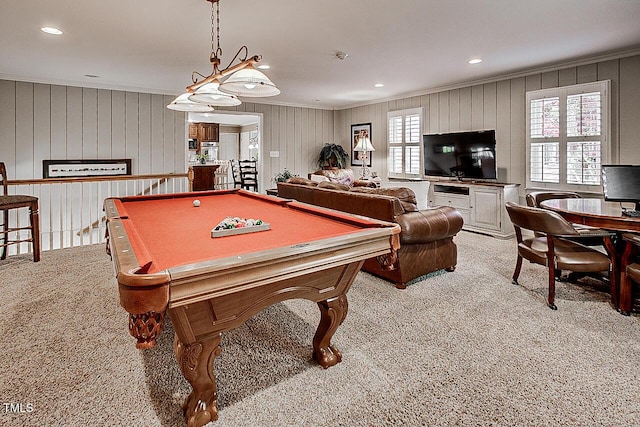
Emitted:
pixel 209 94
pixel 241 78
pixel 249 82
pixel 182 103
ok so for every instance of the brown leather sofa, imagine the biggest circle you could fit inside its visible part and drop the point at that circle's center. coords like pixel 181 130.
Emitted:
pixel 426 238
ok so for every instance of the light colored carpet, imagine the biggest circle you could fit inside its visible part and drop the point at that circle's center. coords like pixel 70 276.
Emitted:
pixel 461 348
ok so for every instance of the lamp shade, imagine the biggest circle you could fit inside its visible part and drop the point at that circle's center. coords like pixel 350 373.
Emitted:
pixel 182 103
pixel 364 144
pixel 210 94
pixel 249 82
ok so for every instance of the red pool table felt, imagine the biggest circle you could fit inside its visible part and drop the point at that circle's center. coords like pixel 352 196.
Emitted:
pixel 169 232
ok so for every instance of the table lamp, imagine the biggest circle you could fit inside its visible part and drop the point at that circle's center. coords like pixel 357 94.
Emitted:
pixel 364 146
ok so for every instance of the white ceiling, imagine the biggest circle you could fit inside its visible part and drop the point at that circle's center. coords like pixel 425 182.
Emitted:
pixel 411 46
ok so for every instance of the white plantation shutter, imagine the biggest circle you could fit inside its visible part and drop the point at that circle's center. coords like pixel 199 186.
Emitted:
pixel 412 161
pixel 545 161
pixel 545 117
pixel 395 129
pixel 394 157
pixel 412 128
pixel 405 143
pixel 567 136
pixel 395 160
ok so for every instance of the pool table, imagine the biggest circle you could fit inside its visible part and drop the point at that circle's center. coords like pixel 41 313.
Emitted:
pixel 167 262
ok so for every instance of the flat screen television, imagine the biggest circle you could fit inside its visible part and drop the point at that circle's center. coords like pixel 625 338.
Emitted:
pixel 621 183
pixel 461 154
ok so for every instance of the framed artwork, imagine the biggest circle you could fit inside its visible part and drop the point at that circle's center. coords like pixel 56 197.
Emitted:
pixel 84 168
pixel 359 131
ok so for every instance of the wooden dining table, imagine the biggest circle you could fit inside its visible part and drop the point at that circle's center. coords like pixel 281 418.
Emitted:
pixel 595 213
pixel 607 215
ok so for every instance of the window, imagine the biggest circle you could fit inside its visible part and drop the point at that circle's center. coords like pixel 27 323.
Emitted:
pixel 405 144
pixel 568 137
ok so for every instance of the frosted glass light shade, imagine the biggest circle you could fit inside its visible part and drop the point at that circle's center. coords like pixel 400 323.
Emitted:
pixel 249 82
pixel 210 94
pixel 182 103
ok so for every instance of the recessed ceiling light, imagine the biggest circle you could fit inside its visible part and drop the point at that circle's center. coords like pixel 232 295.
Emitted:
pixel 264 66
pixel 378 85
pixel 51 30
pixel 475 61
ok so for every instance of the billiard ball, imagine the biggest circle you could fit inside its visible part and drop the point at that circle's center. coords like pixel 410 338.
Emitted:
pixel 196 203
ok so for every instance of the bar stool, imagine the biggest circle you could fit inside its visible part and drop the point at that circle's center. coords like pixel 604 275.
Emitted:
pixel 9 202
pixel 221 176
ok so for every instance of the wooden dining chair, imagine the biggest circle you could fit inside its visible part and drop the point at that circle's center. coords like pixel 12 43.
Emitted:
pixel 249 175
pixel 12 235
pixel 534 199
pixel 630 272
pixel 235 169
pixel 550 246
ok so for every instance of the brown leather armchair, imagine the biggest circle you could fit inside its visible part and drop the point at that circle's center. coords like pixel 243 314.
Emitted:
pixel 552 248
pixel 630 268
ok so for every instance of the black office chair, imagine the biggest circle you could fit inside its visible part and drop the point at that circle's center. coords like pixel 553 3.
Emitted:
pixel 11 235
pixel 552 248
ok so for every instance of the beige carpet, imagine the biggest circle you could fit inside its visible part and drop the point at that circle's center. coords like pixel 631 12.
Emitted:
pixel 462 348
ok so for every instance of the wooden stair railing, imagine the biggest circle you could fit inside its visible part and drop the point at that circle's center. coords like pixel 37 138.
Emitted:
pixel 123 185
pixel 147 190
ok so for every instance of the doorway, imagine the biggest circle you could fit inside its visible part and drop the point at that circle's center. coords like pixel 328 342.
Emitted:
pixel 240 137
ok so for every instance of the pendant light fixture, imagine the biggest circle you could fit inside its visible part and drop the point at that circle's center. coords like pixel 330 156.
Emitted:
pixel 242 79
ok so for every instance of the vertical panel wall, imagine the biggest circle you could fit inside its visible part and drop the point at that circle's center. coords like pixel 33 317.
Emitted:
pixel 40 121
pixel 43 122
pixel 501 106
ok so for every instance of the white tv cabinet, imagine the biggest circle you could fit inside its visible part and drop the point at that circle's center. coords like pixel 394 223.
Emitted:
pixel 482 204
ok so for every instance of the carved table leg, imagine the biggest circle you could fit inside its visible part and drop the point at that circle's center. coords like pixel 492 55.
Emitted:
pixel 333 312
pixel 196 364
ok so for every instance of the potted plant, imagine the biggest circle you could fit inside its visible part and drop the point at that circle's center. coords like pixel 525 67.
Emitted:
pixel 332 156
pixel 283 176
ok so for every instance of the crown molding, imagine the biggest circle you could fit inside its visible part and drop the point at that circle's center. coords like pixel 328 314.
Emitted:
pixel 555 66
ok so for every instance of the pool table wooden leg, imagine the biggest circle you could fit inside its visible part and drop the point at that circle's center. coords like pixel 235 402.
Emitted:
pixel 332 313
pixel 196 364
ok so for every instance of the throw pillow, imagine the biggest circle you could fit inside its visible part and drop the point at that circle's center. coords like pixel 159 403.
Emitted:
pixel 333 186
pixel 318 178
pixel 341 176
pixel 301 181
pixel 406 196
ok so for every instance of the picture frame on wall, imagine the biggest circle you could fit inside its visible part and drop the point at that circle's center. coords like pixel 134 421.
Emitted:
pixel 85 168
pixel 359 131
